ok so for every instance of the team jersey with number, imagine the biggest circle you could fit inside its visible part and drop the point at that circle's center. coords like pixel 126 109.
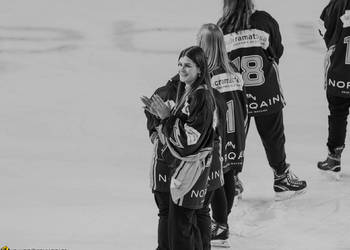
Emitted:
pixel 162 159
pixel 189 132
pixel 256 52
pixel 335 29
pixel 231 103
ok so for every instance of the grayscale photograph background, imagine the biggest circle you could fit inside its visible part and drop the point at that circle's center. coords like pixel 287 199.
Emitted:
pixel 74 148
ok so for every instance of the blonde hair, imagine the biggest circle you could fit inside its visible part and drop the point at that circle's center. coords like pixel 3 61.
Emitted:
pixel 211 39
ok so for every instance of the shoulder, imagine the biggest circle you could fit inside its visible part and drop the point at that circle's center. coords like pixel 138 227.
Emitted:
pixel 201 96
pixel 174 81
pixel 217 71
pixel 170 86
pixel 261 14
pixel 339 4
pixel 262 17
pixel 175 78
pixel 334 9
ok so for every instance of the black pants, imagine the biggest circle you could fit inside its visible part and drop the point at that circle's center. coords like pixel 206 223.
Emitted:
pixel 337 121
pixel 223 198
pixel 204 221
pixel 184 233
pixel 162 200
pixel 271 130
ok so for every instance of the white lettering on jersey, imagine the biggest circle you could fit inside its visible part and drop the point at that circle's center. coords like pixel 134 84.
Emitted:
pixel 346 19
pixel 247 39
pixel 227 82
pixel 339 84
pixel 192 135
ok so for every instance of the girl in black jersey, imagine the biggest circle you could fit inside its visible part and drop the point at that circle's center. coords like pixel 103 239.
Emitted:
pixel 231 105
pixel 336 33
pixel 188 130
pixel 162 160
pixel 253 43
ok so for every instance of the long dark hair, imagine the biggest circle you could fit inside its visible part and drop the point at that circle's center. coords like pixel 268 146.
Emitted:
pixel 197 55
pixel 236 15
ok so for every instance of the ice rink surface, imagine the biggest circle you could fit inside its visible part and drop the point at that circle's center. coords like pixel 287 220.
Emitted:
pixel 74 150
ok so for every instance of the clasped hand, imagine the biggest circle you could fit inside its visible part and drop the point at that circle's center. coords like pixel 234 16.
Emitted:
pixel 156 106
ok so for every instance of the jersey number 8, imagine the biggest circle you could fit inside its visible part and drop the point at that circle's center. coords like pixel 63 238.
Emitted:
pixel 252 69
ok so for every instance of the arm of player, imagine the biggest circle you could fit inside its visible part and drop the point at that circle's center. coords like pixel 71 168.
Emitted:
pixel 190 129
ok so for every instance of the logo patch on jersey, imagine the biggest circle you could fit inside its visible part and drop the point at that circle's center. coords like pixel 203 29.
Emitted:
pixel 227 82
pixel 170 104
pixel 192 135
pixel 230 144
pixel 247 39
pixel 346 19
pixel 186 109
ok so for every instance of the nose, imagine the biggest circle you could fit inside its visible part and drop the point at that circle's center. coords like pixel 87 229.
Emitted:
pixel 181 69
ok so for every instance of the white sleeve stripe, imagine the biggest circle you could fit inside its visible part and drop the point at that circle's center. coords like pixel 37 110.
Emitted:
pixel 192 135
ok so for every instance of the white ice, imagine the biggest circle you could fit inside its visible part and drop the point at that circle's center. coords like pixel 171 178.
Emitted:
pixel 74 150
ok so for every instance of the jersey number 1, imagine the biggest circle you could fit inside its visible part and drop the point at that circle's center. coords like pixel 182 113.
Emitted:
pixel 347 56
pixel 230 117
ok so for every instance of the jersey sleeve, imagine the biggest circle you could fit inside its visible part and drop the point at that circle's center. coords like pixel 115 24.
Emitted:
pixel 276 47
pixel 330 19
pixel 191 128
pixel 167 93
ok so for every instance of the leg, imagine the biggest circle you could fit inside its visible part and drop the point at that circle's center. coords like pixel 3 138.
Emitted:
pixel 162 201
pixel 337 121
pixel 204 221
pixel 183 230
pixel 229 187
pixel 219 227
pixel 271 131
pixel 219 206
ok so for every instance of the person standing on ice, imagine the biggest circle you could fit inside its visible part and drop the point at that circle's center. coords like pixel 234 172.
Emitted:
pixel 254 45
pixel 231 102
pixel 188 131
pixel 162 161
pixel 335 30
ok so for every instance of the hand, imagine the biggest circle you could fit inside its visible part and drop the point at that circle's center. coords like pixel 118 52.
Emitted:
pixel 160 106
pixel 149 106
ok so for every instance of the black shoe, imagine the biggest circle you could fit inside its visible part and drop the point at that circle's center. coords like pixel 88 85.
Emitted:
pixel 332 163
pixel 219 235
pixel 288 185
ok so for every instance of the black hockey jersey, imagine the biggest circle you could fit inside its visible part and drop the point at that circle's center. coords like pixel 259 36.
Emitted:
pixel 231 103
pixel 189 132
pixel 162 159
pixel 336 34
pixel 256 52
pixel 190 128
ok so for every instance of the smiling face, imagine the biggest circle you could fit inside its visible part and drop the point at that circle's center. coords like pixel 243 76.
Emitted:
pixel 188 70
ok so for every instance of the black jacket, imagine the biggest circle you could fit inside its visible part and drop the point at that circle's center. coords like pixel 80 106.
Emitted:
pixel 336 34
pixel 256 52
